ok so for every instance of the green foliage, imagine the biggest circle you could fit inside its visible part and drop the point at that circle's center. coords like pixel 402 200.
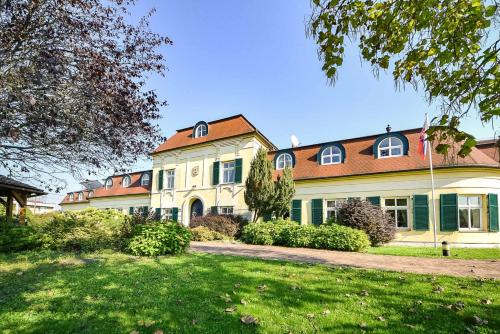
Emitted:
pixel 259 185
pixel 17 238
pixel 284 190
pixel 449 48
pixel 159 239
pixel 202 233
pixel 228 225
pixel 291 234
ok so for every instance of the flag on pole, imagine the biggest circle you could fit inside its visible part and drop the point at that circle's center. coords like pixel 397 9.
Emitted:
pixel 422 142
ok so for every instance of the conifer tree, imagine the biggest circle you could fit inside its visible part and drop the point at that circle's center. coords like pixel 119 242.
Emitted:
pixel 283 193
pixel 259 193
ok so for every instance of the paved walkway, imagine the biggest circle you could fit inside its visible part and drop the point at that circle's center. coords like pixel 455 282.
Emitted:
pixel 420 265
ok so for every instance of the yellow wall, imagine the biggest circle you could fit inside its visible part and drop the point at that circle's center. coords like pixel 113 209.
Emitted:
pixel 122 203
pixel 473 181
pixel 189 187
pixel 75 206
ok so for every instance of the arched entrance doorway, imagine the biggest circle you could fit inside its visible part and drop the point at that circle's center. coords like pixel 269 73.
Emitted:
pixel 196 208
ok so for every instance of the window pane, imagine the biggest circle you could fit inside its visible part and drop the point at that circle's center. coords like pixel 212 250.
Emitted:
pixel 389 202
pixel 336 158
pixel 401 201
pixel 384 143
pixel 327 160
pixel 384 152
pixel 462 200
pixel 402 218
pixel 392 213
pixel 396 151
pixel 330 204
pixel 474 200
pixel 464 218
pixel 475 218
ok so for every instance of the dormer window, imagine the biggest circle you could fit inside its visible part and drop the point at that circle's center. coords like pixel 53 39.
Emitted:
pixel 109 183
pixel 80 196
pixel 145 179
pixel 284 160
pixel 390 147
pixel 71 197
pixel 126 181
pixel 331 155
pixel 200 131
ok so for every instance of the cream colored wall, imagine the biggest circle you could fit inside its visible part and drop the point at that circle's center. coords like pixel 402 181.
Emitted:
pixel 75 206
pixel 188 187
pixel 122 203
pixel 405 184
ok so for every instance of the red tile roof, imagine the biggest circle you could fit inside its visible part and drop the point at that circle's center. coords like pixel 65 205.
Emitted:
pixel 220 129
pixel 116 189
pixel 360 160
pixel 490 148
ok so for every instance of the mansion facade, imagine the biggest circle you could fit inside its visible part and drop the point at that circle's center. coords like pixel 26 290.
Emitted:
pixel 202 169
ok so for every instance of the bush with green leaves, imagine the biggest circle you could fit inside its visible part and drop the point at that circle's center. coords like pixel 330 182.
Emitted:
pixel 17 238
pixel 202 233
pixel 297 235
pixel 225 224
pixel 337 237
pixel 266 233
pixel 160 238
pixel 365 216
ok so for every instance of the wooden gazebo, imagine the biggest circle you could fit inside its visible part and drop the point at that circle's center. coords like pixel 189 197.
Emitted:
pixel 12 189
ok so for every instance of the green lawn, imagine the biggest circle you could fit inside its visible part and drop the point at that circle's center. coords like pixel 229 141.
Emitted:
pixel 456 253
pixel 117 293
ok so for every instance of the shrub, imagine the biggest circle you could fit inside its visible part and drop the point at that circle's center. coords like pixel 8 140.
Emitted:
pixel 202 233
pixel 363 215
pixel 219 223
pixel 336 237
pixel 298 235
pixel 266 233
pixel 18 238
pixel 159 239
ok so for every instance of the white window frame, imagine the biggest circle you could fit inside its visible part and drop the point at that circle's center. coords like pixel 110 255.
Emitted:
pixel 109 183
pixel 167 213
pixel 469 206
pixel 200 131
pixel 146 177
pixel 170 179
pixel 226 210
pixel 231 167
pixel 284 160
pixel 71 197
pixel 391 145
pixel 335 208
pixel 397 208
pixel 332 152
pixel 126 177
pixel 80 196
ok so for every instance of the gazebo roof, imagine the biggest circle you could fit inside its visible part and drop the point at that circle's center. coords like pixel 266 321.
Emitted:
pixel 7 184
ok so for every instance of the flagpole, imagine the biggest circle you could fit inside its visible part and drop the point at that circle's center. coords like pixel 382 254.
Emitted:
pixel 433 195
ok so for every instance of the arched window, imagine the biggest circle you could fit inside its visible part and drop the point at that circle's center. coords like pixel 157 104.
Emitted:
pixel 71 196
pixel 390 147
pixel 331 155
pixel 126 181
pixel 145 179
pixel 284 160
pixel 80 196
pixel 109 183
pixel 200 131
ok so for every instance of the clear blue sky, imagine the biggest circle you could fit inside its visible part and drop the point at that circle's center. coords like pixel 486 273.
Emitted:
pixel 253 58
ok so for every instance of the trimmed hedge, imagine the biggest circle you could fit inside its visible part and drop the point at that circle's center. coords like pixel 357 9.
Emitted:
pixel 159 239
pixel 291 234
pixel 202 233
pixel 229 225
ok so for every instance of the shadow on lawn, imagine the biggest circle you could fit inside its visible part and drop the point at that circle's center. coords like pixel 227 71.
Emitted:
pixel 120 293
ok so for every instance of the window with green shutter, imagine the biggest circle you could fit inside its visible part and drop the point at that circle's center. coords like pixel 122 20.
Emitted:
pixel 296 213
pixel 160 179
pixel 420 213
pixel 238 170
pixel 449 212
pixel 145 211
pixel 317 211
pixel 131 210
pixel 214 210
pixel 493 212
pixel 375 200
pixel 215 173
pixel 175 214
pixel 158 214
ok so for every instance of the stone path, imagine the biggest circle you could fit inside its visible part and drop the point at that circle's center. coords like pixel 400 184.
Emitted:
pixel 419 265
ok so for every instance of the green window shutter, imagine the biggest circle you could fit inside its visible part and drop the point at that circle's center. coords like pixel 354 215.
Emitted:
pixel 215 174
pixel 214 210
pixel 160 180
pixel 175 214
pixel 131 210
pixel 420 213
pixel 449 212
pixel 145 211
pixel 317 211
pixel 493 212
pixel 296 214
pixel 267 217
pixel 158 214
pixel 238 169
pixel 375 200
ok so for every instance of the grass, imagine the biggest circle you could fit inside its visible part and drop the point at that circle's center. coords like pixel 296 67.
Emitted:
pixel 196 293
pixel 456 253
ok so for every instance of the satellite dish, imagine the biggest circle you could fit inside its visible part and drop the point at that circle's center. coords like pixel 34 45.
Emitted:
pixel 294 140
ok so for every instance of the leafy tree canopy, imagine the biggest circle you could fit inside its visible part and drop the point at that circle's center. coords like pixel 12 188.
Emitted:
pixel 72 87
pixel 450 48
